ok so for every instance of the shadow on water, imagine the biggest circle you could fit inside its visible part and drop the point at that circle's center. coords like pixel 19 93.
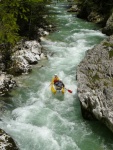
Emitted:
pixel 6 105
pixel 97 129
pixel 102 132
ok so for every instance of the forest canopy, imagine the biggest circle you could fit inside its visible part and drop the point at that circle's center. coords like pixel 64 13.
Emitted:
pixel 15 15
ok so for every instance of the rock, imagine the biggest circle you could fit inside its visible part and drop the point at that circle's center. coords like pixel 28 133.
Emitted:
pixel 43 56
pixel 108 29
pixel 29 54
pixel 42 39
pixel 6 84
pixel 34 46
pixel 18 46
pixel 19 65
pixel 95 17
pixel 74 8
pixel 30 57
pixel 2 66
pixel 42 32
pixel 6 142
pixel 95 83
pixel 46 33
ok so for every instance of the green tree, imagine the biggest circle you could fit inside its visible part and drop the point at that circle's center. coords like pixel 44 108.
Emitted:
pixel 16 16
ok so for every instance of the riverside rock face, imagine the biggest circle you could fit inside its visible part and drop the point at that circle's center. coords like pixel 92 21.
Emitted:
pixel 95 83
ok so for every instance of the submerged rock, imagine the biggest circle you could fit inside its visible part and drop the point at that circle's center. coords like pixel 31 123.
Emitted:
pixel 95 83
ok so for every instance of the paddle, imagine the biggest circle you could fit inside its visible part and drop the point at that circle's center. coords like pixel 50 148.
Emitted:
pixel 50 84
pixel 69 90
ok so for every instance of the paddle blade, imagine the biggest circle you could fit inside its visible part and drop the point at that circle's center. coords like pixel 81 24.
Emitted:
pixel 69 91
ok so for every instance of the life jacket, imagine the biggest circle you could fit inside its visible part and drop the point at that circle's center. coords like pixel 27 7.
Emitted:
pixel 54 80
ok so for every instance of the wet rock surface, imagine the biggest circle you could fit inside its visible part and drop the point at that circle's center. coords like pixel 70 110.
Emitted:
pixel 95 83
pixel 6 83
pixel 25 54
pixel 6 142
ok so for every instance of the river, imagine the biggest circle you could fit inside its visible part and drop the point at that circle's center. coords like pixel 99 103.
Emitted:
pixel 39 120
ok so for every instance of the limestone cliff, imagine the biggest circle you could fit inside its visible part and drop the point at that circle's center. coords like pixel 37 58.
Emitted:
pixel 95 83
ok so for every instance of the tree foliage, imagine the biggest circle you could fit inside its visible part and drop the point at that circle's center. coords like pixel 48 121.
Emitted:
pixel 11 13
pixel 18 18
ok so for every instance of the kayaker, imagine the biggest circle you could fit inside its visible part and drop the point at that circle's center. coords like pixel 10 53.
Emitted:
pixel 57 85
pixel 60 83
pixel 55 79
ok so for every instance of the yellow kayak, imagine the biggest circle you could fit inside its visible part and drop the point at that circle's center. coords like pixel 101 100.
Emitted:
pixel 55 89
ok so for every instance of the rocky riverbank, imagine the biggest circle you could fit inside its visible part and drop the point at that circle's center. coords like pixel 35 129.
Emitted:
pixel 25 54
pixel 95 83
pixel 95 72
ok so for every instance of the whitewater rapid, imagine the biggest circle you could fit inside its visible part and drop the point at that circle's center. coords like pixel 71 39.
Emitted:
pixel 39 120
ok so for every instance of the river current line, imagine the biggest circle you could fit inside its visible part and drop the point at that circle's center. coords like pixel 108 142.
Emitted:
pixel 39 120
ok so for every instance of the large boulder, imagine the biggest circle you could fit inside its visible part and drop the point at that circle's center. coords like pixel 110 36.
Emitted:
pixel 6 142
pixel 24 55
pixel 95 83
pixel 95 17
pixel 19 66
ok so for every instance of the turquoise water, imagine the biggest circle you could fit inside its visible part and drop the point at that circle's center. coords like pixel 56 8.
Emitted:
pixel 39 120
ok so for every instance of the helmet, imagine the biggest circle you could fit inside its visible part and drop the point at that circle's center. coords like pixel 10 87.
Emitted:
pixel 55 75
